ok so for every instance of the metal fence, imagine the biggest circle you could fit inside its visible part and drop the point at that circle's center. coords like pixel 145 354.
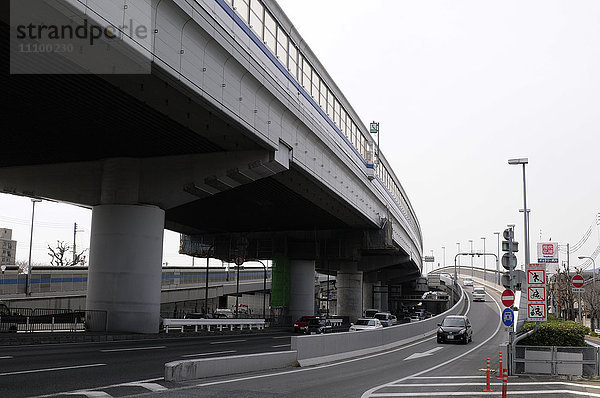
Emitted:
pixel 51 320
pixel 556 361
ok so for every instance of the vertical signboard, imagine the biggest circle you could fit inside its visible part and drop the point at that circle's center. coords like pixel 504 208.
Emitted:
pixel 547 252
pixel 536 292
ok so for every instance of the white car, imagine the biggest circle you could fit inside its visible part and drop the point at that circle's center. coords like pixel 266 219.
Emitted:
pixel 468 282
pixel 366 324
pixel 386 318
pixel 478 293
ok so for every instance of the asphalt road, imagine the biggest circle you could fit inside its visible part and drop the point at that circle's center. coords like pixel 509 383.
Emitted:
pixel 420 369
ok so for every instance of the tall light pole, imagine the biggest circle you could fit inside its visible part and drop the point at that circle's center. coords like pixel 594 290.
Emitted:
pixel 472 271
pixel 457 251
pixel 524 161
pixel 498 257
pixel 265 287
pixel 484 278
pixel 594 272
pixel 28 281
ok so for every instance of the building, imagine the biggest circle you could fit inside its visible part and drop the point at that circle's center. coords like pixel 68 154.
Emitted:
pixel 8 247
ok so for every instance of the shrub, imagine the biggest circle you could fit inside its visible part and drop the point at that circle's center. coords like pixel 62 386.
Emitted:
pixel 556 332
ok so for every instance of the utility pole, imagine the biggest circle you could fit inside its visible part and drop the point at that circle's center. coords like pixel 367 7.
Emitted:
pixel 75 230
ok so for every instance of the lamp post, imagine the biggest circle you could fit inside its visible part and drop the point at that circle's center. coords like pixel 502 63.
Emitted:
pixel 524 161
pixel 594 272
pixel 498 257
pixel 472 270
pixel 458 251
pixel 28 281
pixel 484 271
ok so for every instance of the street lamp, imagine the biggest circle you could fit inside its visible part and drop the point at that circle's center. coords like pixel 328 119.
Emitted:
pixel 484 271
pixel 28 280
pixel 472 271
pixel 264 287
pixel 524 161
pixel 594 273
pixel 497 258
pixel 458 251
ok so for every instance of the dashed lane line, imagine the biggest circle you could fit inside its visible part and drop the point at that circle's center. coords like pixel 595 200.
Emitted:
pixel 208 353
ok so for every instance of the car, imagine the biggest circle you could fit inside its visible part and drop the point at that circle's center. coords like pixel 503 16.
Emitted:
pixel 478 293
pixel 415 318
pixel 455 328
pixel 386 318
pixel 366 324
pixel 468 282
pixel 370 313
pixel 318 326
pixel 300 324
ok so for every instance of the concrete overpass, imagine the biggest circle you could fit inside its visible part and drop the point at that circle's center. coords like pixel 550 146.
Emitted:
pixel 219 123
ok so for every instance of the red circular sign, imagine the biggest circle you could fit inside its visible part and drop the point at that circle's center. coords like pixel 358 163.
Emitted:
pixel 577 280
pixel 508 298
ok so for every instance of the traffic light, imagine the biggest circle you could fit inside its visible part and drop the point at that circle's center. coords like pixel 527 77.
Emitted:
pixel 509 260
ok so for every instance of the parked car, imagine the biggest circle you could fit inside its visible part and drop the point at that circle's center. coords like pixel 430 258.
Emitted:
pixel 468 282
pixel 455 328
pixel 386 318
pixel 301 324
pixel 366 324
pixel 478 293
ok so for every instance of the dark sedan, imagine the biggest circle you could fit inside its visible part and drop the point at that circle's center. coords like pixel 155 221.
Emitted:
pixel 455 328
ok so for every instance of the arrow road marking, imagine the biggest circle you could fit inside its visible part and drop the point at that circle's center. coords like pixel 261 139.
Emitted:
pixel 423 354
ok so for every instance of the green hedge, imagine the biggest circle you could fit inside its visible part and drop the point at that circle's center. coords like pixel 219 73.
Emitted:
pixel 556 332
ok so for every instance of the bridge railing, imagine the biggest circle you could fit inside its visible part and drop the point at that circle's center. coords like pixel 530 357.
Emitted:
pixel 50 320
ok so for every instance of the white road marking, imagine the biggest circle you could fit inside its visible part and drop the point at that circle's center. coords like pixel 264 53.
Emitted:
pixel 134 349
pixel 449 377
pixel 471 393
pixel 6 357
pixel 208 353
pixel 369 392
pixel 228 341
pixel 154 387
pixel 281 337
pixel 83 392
pixel 423 354
pixel 90 393
pixel 281 345
pixel 51 369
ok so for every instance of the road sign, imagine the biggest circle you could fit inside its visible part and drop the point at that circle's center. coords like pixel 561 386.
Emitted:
pixel 536 293
pixel 508 298
pixel 508 317
pixel 239 260
pixel 578 290
pixel 577 280
pixel 429 259
pixel 536 276
pixel 536 311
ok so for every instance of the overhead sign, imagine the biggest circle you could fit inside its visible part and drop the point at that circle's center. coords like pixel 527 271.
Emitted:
pixel 577 280
pixel 536 292
pixel 429 259
pixel 508 298
pixel 508 317
pixel 547 252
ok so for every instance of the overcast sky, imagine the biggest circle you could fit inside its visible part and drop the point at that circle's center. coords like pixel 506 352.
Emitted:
pixel 458 87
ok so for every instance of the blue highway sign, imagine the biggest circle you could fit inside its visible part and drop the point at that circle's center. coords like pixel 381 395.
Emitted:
pixel 508 317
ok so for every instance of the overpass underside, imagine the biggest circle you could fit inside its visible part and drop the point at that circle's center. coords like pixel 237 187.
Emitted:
pixel 152 151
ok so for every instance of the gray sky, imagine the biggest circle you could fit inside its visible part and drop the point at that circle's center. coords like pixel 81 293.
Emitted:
pixel 458 88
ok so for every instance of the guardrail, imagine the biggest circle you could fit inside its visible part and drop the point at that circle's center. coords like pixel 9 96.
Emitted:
pixel 217 323
pixel 48 320
pixel 556 361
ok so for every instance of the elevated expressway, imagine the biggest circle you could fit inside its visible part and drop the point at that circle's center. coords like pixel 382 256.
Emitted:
pixel 230 132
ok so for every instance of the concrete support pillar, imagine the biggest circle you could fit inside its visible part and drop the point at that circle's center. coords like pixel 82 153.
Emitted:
pixel 124 277
pixel 302 288
pixel 349 291
pixel 367 295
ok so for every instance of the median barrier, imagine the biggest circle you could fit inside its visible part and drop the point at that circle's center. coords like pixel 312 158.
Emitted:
pixel 211 367
pixel 321 348
pixel 169 323
pixel 312 349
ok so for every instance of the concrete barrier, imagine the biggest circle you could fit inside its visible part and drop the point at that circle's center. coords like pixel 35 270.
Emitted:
pixel 210 367
pixel 322 348
pixel 311 350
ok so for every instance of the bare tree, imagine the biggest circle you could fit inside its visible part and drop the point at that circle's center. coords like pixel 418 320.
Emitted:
pixel 591 299
pixel 59 255
pixel 562 293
